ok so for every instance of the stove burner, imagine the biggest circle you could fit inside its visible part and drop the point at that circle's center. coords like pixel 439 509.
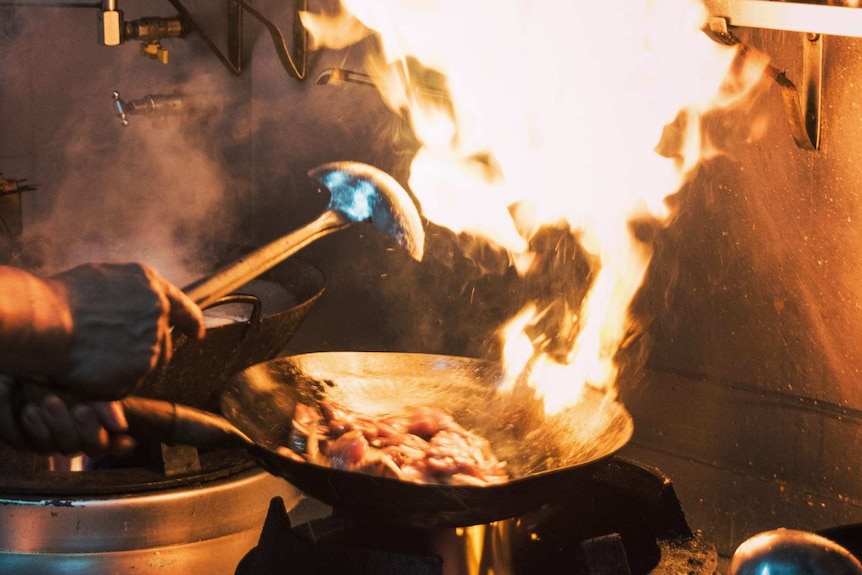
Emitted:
pixel 626 521
pixel 329 545
pixel 26 474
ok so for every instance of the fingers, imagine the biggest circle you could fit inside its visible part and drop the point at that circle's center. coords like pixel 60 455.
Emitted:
pixel 164 350
pixel 178 311
pixel 51 426
pixel 52 419
pixel 10 431
pixel 102 427
pixel 110 415
pixel 184 313
pixel 93 437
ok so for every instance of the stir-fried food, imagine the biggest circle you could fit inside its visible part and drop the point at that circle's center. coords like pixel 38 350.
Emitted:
pixel 425 446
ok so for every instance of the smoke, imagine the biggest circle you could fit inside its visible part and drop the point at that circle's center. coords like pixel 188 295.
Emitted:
pixel 162 190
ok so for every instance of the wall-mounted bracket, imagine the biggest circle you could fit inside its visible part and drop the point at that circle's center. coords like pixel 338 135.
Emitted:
pixel 814 21
pixel 812 85
pixel 230 52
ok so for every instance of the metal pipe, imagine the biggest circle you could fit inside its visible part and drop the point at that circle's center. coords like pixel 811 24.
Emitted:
pixel 788 16
pixel 50 4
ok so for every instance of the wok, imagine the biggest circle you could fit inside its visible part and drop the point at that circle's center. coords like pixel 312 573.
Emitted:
pixel 548 457
pixel 276 304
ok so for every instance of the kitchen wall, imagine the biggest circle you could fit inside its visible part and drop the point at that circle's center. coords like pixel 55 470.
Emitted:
pixel 750 399
pixel 742 382
pixel 108 192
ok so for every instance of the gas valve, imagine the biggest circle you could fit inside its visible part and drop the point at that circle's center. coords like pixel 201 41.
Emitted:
pixel 154 50
pixel 151 31
pixel 113 30
pixel 155 105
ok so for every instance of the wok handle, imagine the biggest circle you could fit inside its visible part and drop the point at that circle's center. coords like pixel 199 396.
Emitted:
pixel 174 424
pixel 207 290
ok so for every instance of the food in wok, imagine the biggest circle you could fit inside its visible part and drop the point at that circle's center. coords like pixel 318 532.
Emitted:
pixel 546 456
pixel 425 445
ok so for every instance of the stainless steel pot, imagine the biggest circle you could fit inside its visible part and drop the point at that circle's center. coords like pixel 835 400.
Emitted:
pixel 207 528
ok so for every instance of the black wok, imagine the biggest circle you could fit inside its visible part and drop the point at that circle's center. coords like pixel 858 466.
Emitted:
pixel 276 305
pixel 548 458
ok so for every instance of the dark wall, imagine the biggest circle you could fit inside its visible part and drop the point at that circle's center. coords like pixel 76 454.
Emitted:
pixel 159 190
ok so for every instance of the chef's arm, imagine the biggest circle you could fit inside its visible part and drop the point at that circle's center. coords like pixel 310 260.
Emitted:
pixel 35 324
pixel 96 329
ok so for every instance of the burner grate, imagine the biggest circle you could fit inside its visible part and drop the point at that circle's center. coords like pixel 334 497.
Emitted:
pixel 283 549
pixel 627 521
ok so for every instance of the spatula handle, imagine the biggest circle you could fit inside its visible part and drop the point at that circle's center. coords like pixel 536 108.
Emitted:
pixel 207 290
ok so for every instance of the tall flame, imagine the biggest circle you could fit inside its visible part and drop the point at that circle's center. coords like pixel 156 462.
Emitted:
pixel 553 115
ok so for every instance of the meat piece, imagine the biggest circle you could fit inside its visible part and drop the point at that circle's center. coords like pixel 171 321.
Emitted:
pixel 424 446
pixel 347 451
pixel 428 421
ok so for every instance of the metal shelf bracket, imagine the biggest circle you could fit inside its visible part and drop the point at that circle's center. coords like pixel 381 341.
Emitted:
pixel 803 102
pixel 294 60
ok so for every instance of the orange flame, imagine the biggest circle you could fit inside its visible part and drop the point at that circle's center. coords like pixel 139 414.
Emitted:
pixel 554 114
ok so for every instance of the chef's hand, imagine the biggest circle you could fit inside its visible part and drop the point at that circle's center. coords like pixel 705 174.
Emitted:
pixel 46 424
pixel 120 327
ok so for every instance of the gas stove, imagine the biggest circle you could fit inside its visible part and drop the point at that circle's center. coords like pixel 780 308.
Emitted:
pixel 627 520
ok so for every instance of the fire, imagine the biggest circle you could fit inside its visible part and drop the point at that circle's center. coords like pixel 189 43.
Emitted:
pixel 553 117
